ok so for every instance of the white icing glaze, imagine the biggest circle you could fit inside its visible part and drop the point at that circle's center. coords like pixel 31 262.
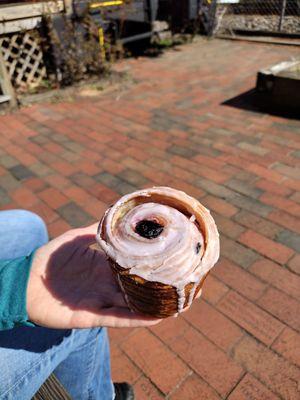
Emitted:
pixel 151 258
pixel 181 299
pixel 171 258
pixel 193 218
pixel 191 295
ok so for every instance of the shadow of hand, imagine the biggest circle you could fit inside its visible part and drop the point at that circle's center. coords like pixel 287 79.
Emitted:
pixel 71 285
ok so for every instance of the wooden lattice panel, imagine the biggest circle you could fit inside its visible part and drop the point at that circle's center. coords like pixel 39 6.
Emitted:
pixel 24 59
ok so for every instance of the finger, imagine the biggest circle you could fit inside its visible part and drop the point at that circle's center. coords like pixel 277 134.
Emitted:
pixel 77 238
pixel 124 317
pixel 83 236
pixel 119 300
pixel 91 229
pixel 103 299
pixel 114 317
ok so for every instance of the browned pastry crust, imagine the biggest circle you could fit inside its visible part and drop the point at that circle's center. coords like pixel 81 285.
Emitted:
pixel 151 298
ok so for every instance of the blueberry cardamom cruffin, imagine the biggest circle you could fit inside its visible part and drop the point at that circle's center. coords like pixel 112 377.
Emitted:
pixel 161 244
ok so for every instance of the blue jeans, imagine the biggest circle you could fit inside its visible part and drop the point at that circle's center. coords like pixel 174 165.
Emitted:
pixel 79 358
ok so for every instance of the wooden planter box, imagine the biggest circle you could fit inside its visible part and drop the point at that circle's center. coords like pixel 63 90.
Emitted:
pixel 280 85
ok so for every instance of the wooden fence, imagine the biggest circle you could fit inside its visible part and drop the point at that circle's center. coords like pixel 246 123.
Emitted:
pixel 20 44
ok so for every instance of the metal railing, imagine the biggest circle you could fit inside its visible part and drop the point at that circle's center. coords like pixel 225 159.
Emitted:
pixel 257 16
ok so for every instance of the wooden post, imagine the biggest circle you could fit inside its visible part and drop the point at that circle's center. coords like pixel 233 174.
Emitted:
pixel 282 14
pixel 5 82
pixel 69 7
pixel 212 12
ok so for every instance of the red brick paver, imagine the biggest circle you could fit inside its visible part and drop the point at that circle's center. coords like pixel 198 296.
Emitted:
pixel 71 160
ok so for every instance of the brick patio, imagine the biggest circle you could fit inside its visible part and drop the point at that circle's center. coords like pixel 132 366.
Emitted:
pixel 68 161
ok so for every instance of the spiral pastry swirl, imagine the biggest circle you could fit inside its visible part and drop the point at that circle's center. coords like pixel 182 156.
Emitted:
pixel 163 236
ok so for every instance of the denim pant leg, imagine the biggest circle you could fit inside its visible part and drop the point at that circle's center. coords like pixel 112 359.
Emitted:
pixel 21 232
pixel 80 357
pixel 85 373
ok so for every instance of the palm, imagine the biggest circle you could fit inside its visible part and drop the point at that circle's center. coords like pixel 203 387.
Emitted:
pixel 71 286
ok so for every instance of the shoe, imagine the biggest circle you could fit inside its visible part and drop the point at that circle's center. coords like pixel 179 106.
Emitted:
pixel 123 391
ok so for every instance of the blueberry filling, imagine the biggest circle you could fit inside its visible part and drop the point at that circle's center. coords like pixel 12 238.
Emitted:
pixel 198 247
pixel 149 229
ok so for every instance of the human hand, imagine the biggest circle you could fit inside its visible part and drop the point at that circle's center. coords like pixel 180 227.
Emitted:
pixel 71 286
